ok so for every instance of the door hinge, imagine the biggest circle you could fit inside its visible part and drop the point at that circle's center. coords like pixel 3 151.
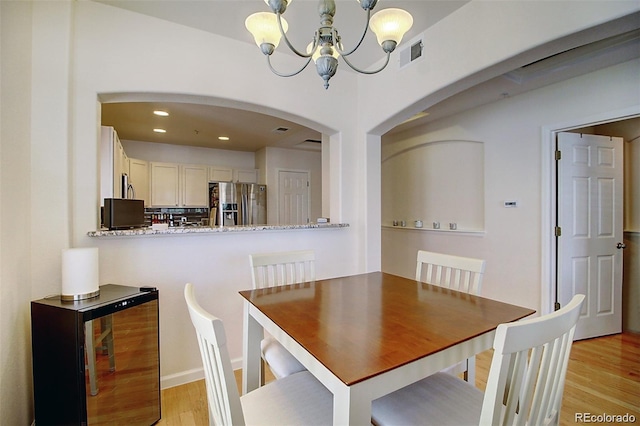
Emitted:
pixel 558 231
pixel 558 155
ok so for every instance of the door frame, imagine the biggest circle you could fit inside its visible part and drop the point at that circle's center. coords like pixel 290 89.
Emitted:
pixel 548 195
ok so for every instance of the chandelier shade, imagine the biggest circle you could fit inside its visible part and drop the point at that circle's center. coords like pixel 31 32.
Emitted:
pixel 264 28
pixel 390 25
pixel 267 29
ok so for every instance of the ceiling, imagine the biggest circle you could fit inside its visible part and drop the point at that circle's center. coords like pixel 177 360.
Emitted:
pixel 201 125
pixel 226 18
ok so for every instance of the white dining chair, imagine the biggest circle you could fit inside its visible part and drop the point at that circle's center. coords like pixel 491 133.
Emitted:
pixel 298 399
pixel 273 269
pixel 457 273
pixel 524 387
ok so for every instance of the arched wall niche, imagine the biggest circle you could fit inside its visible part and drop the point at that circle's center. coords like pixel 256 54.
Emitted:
pixel 436 182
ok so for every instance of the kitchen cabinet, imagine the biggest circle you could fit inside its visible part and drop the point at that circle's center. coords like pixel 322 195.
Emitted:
pixel 165 188
pixel 139 179
pixel 245 175
pixel 195 185
pixel 113 164
pixel 179 185
pixel 220 174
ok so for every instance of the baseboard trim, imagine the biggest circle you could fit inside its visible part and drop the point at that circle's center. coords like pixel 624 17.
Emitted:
pixel 189 376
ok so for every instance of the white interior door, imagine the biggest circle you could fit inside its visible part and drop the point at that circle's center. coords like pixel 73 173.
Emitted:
pixel 293 202
pixel 590 207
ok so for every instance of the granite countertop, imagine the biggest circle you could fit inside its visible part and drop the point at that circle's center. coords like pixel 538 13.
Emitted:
pixel 181 230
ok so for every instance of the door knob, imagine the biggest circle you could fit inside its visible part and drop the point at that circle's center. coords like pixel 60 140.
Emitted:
pixel 621 246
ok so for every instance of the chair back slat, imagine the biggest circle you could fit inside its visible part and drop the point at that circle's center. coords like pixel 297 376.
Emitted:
pixel 273 269
pixel 222 392
pixel 457 273
pixel 529 367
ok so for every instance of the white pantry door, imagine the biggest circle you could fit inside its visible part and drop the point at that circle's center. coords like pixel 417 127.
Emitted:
pixel 590 207
pixel 293 203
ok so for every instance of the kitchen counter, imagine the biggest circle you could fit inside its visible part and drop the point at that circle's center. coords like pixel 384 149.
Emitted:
pixel 181 230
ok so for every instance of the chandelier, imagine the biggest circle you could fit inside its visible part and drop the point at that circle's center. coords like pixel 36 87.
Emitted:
pixel 267 29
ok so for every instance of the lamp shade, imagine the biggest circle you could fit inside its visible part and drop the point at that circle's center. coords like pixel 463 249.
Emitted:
pixel 264 28
pixel 390 24
pixel 79 273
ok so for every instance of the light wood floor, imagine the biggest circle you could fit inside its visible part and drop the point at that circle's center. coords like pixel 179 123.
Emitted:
pixel 603 377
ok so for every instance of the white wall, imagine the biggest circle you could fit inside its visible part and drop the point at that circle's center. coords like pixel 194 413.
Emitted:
pixel 16 402
pixel 629 130
pixel 631 286
pixel 511 132
pixel 477 42
pixel 293 160
pixel 167 153
pixel 108 41
pixel 59 59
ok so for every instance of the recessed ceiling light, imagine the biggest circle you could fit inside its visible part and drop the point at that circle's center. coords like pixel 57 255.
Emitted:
pixel 161 113
pixel 160 130
pixel 223 138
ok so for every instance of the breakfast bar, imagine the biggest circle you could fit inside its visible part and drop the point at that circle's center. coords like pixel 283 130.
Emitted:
pixel 202 230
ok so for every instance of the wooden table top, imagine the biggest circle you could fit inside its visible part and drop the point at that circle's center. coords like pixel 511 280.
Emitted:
pixel 364 325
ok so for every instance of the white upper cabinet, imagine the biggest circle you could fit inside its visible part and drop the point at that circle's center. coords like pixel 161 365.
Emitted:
pixel 220 174
pixel 195 185
pixel 179 185
pixel 165 186
pixel 113 164
pixel 245 175
pixel 139 179
pixel 227 174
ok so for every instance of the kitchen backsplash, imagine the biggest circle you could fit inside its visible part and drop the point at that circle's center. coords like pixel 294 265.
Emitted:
pixel 177 216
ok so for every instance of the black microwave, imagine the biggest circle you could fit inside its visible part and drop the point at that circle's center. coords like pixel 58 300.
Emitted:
pixel 121 213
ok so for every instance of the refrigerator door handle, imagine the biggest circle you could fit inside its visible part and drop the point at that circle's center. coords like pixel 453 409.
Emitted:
pixel 244 201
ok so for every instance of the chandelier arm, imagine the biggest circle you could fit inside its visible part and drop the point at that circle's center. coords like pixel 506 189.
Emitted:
pixel 364 33
pixel 278 73
pixel 293 49
pixel 368 72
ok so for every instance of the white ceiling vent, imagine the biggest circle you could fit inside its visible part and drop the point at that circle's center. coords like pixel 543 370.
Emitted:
pixel 411 52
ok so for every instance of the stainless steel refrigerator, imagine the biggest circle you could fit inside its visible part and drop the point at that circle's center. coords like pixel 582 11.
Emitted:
pixel 237 204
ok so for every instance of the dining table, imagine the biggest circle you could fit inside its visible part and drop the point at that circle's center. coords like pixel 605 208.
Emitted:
pixel 366 335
